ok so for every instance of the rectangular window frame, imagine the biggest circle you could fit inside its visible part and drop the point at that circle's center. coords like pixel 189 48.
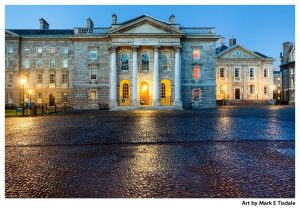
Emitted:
pixel 10 80
pixel 252 89
pixel 196 56
pixel 266 73
pixel 26 50
pixel 93 74
pixel 52 50
pixel 65 50
pixel 265 90
pixel 52 78
pixel 196 73
pixel 65 63
pixel 26 63
pixel 196 95
pixel 10 50
pixel 39 79
pixel 222 73
pixel 237 71
pixel 252 73
pixel 10 63
pixel 93 52
pixel 65 97
pixel 39 50
pixel 52 63
pixel 65 78
pixel 39 97
pixel 39 63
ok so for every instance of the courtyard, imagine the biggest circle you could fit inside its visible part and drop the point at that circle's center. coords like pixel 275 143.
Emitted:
pixel 229 152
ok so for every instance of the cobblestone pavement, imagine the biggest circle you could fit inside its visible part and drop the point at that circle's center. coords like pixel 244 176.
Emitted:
pixel 225 152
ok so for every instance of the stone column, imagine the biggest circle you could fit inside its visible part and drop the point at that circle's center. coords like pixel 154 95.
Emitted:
pixel 113 76
pixel 177 101
pixel 134 101
pixel 156 77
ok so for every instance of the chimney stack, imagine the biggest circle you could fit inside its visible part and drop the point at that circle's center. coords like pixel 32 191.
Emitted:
pixel 44 24
pixel 171 19
pixel 232 42
pixel 114 19
pixel 90 25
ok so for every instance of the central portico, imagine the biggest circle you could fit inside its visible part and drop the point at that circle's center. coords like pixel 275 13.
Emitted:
pixel 145 64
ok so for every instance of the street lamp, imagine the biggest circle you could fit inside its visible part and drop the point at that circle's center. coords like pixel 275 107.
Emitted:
pixel 224 88
pixel 30 92
pixel 23 82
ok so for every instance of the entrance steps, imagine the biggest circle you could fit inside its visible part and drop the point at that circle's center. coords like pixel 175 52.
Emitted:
pixel 125 108
pixel 249 102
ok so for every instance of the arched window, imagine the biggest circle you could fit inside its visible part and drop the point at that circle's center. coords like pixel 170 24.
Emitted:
pixel 124 61
pixel 125 90
pixel 164 62
pixel 145 62
pixel 163 90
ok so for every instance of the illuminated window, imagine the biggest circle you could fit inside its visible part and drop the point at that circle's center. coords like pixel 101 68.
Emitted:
pixel 196 95
pixel 93 95
pixel 163 90
pixel 196 73
pixel 266 72
pixel 164 62
pixel 39 63
pixel 278 85
pixel 265 90
pixel 26 63
pixel 39 97
pixel 93 72
pixel 124 62
pixel 10 80
pixel 39 50
pixel 65 97
pixel 196 54
pixel 278 91
pixel 93 54
pixel 65 50
pixel 39 78
pixel 65 63
pixel 222 72
pixel 52 50
pixel 26 50
pixel 236 72
pixel 252 90
pixel 52 63
pixel 52 78
pixel 145 62
pixel 65 78
pixel 125 90
pixel 278 78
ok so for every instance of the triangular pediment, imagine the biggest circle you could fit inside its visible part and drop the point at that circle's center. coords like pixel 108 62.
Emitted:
pixel 239 52
pixel 145 25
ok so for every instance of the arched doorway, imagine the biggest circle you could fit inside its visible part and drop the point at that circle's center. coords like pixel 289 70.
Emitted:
pixel 124 93
pixel 165 92
pixel 144 93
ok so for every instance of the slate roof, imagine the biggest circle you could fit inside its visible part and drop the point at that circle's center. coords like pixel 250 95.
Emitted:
pixel 260 54
pixel 221 48
pixel 42 32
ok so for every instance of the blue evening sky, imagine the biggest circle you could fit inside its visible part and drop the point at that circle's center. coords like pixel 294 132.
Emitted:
pixel 258 28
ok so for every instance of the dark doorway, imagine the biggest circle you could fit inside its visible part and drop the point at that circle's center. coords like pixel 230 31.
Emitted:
pixel 51 100
pixel 237 93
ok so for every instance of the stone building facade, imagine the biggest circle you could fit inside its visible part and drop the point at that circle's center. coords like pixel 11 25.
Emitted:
pixel 140 62
pixel 243 75
pixel 287 69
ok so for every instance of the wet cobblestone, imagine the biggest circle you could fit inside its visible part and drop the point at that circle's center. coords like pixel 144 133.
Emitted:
pixel 229 152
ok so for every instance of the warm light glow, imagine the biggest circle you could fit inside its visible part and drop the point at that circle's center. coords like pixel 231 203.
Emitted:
pixel 23 81
pixel 29 91
pixel 273 87
pixel 224 87
pixel 144 87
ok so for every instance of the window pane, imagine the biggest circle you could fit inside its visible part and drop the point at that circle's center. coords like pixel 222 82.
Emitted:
pixel 196 54
pixel 65 63
pixel 39 63
pixel 93 54
pixel 222 72
pixel 10 63
pixel 145 62
pixel 196 95
pixel 196 72
pixel 10 50
pixel 52 63
pixel 26 50
pixel 164 62
pixel 163 90
pixel 237 72
pixel 39 78
pixel 52 78
pixel 65 50
pixel 124 62
pixel 39 50
pixel 52 50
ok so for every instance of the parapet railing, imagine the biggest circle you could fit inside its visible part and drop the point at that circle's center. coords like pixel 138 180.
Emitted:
pixel 95 30
pixel 199 30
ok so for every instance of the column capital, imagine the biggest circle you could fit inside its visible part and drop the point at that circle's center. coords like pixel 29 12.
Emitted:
pixel 156 47
pixel 112 48
pixel 177 48
pixel 135 48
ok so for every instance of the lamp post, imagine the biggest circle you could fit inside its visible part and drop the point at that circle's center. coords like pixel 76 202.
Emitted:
pixel 30 92
pixel 23 82
pixel 224 88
